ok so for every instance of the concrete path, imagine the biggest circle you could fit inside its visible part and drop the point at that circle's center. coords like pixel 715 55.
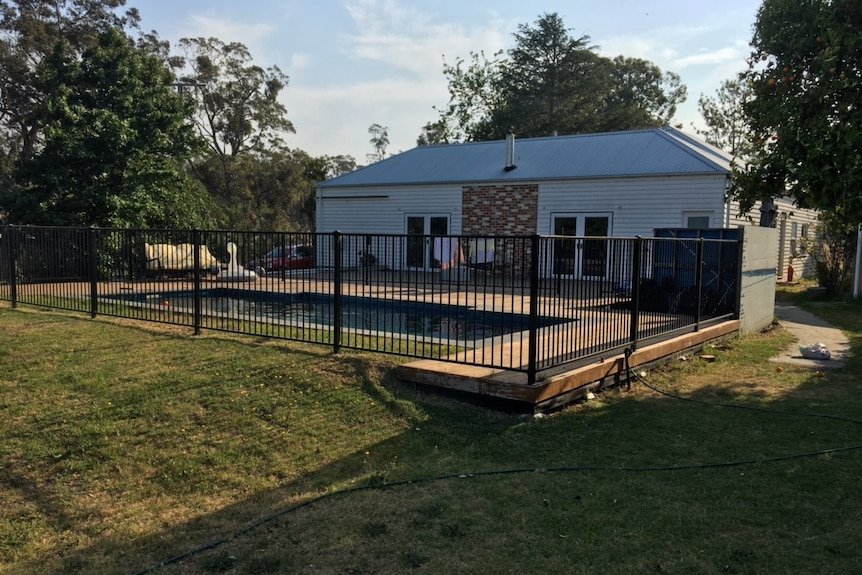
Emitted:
pixel 808 329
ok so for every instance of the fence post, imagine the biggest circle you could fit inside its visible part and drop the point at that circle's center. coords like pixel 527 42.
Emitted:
pixel 337 247
pixel 740 263
pixel 533 349
pixel 283 244
pixel 94 272
pixel 130 258
pixel 698 282
pixel 11 240
pixel 196 258
pixel 636 292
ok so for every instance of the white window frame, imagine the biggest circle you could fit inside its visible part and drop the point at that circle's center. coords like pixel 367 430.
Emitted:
pixel 686 215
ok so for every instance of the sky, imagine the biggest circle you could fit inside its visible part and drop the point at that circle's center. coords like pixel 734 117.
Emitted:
pixel 354 63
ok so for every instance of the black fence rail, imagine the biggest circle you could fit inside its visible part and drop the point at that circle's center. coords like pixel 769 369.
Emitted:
pixel 523 303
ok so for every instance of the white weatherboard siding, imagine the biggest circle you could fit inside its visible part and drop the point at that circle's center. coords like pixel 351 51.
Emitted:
pixel 357 214
pixel 384 210
pixel 380 212
pixel 796 228
pixel 638 205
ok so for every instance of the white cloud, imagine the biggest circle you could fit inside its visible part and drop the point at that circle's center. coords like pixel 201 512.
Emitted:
pixel 352 63
pixel 253 35
pixel 300 61
pixel 702 54
pixel 406 47
pixel 735 54
pixel 228 30
pixel 388 32
pixel 402 105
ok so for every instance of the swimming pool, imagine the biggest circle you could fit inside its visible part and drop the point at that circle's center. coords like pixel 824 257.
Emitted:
pixel 432 320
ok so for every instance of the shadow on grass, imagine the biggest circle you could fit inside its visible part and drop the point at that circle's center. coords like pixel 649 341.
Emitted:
pixel 638 430
pixel 622 433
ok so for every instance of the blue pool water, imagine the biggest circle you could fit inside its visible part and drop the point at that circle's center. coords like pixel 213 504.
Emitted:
pixel 376 315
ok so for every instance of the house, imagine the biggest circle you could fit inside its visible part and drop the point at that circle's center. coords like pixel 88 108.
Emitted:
pixel 618 184
pixel 796 232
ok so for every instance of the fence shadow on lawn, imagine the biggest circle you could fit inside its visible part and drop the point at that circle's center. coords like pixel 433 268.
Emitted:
pixel 589 447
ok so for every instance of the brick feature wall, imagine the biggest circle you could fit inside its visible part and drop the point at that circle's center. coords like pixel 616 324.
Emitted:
pixel 500 210
pixel 503 211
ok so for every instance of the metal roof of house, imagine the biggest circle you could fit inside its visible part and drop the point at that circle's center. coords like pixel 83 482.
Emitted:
pixel 665 151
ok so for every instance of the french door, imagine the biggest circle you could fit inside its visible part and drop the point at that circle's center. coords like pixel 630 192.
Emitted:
pixel 580 257
pixel 419 252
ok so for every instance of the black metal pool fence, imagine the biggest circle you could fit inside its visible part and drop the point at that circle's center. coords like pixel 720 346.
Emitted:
pixel 523 303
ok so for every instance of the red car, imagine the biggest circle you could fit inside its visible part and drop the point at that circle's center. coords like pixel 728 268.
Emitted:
pixel 295 257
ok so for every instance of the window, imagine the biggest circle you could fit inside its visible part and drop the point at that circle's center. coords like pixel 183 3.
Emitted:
pixel 697 220
pixel 794 229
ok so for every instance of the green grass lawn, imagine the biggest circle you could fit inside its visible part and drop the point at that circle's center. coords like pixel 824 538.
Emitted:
pixel 126 445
